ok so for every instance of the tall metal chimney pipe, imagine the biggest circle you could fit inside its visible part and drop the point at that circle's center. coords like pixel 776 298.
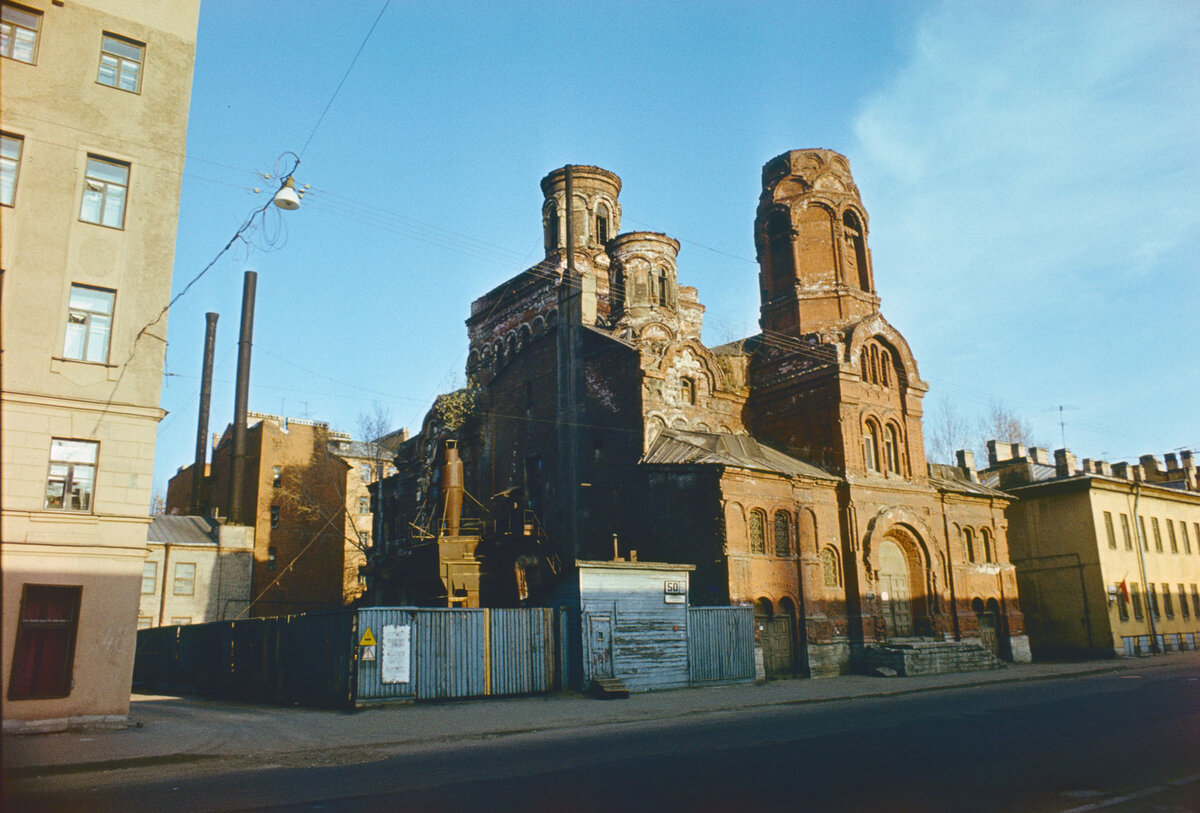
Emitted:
pixel 240 397
pixel 199 478
pixel 452 490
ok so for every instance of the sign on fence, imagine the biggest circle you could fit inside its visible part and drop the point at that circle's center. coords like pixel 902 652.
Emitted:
pixel 397 648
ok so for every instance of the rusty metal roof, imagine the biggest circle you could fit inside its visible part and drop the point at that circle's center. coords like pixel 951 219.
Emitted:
pixel 177 530
pixel 949 478
pixel 678 446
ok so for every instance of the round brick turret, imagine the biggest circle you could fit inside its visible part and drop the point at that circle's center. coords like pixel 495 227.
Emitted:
pixel 597 212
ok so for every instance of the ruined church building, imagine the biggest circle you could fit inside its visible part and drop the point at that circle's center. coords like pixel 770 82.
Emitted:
pixel 789 467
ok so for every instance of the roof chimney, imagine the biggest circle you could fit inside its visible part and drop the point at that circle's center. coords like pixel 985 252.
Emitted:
pixel 1064 463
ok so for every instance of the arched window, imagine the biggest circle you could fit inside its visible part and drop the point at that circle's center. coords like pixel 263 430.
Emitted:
pixel 601 224
pixel 985 542
pixel 662 287
pixel 891 449
pixel 758 522
pixel 830 565
pixel 856 250
pixel 687 390
pixel 870 447
pixel 783 533
pixel 885 364
pixel 969 544
pixel 864 364
pixel 551 228
pixel 779 248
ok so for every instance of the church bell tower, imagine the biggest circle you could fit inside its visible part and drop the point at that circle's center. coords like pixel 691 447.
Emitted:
pixel 810 234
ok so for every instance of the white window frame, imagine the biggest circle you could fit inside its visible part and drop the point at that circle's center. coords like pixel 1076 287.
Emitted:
pixel 96 327
pixel 76 461
pixel 108 196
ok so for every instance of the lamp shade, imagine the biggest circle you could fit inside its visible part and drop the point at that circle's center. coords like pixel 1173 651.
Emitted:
pixel 286 197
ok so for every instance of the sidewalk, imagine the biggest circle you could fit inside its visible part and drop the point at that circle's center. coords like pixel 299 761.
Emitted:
pixel 174 730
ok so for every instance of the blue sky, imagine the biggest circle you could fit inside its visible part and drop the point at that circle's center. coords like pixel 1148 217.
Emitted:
pixel 1030 171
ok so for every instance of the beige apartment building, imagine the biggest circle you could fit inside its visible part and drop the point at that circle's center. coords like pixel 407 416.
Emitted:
pixel 93 114
pixel 1107 556
pixel 198 570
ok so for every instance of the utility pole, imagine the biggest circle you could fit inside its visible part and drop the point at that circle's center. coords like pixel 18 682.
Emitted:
pixel 569 414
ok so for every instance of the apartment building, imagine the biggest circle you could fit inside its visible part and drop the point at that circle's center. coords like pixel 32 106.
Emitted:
pixel 93 124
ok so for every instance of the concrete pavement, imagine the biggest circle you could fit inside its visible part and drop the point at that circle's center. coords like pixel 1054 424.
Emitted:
pixel 177 730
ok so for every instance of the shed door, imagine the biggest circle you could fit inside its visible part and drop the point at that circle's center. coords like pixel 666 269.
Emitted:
pixel 599 632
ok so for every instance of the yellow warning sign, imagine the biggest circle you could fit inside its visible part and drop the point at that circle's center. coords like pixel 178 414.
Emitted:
pixel 368 639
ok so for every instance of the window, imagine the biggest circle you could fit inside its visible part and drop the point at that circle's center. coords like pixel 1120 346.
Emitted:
pixel 45 649
pixel 1183 604
pixel 364 505
pixel 1136 595
pixel 276 476
pixel 1145 538
pixel 10 163
pixel 72 474
pixel 602 227
pixel 783 536
pixel 1122 604
pixel 364 539
pixel 104 192
pixel 661 285
pixel 1196 528
pixel 366 473
pixel 969 544
pixel 687 390
pixel 180 620
pixel 758 542
pixel 1195 601
pixel 145 622
pixel 1157 534
pixel 19 32
pixel 185 579
pixel 1108 528
pixel 274 516
pixel 1125 532
pixel 1171 537
pixel 89 324
pixel 870 455
pixel 985 544
pixel 829 564
pixel 891 448
pixel 1152 599
pixel 1183 531
pixel 271 555
pixel 149 578
pixel 1168 601
pixel 120 63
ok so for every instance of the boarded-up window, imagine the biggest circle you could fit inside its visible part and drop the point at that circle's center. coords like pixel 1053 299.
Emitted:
pixel 829 563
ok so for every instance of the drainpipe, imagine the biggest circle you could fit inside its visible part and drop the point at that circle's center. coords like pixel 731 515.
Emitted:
pixel 1137 525
pixel 162 601
pixel 950 573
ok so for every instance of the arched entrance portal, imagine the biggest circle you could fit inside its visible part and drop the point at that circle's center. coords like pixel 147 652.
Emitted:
pixel 894 591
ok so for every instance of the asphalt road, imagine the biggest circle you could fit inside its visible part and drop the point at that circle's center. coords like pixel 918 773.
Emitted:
pixel 1128 741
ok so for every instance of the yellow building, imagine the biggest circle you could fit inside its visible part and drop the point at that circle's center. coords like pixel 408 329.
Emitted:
pixel 1107 556
pixel 93 109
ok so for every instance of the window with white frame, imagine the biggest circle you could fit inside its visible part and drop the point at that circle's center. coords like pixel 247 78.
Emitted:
pixel 72 477
pixel 185 579
pixel 19 30
pixel 121 62
pixel 89 324
pixel 149 578
pixel 10 165
pixel 105 188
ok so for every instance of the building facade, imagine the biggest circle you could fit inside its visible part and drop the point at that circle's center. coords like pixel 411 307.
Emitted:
pixel 310 509
pixel 93 113
pixel 198 570
pixel 1107 555
pixel 788 467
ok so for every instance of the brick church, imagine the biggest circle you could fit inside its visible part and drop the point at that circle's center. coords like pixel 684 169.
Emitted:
pixel 789 467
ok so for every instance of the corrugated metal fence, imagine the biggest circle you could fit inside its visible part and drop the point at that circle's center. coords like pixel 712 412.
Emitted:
pixel 328 659
pixel 429 654
pixel 720 645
